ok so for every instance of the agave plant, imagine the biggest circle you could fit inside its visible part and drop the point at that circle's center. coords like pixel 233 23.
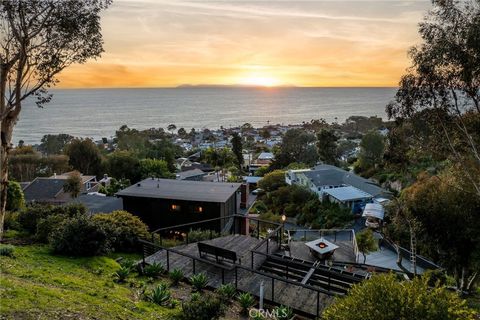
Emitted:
pixel 127 263
pixel 176 275
pixel 122 274
pixel 153 270
pixel 283 313
pixel 160 295
pixel 246 301
pixel 226 292
pixel 199 281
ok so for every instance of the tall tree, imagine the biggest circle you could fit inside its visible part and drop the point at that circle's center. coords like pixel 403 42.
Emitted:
pixel 237 149
pixel 54 143
pixel 73 184
pixel 155 168
pixel 445 78
pixel 447 216
pixel 327 146
pixel 297 146
pixel 124 165
pixel 84 156
pixel 372 148
pixel 38 40
pixel 171 128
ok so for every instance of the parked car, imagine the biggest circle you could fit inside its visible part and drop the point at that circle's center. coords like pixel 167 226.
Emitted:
pixel 257 191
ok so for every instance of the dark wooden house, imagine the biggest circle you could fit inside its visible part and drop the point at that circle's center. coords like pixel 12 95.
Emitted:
pixel 163 202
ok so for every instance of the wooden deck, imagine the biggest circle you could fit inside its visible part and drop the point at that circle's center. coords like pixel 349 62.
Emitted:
pixel 289 294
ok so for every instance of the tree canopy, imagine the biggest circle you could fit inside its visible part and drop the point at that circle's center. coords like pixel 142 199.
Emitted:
pixel 237 149
pixel 327 146
pixel 445 79
pixel 84 156
pixel 387 298
pixel 297 146
pixel 73 184
pixel 39 40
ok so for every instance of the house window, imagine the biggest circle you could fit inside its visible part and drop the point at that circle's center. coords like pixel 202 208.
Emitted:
pixel 198 209
pixel 175 207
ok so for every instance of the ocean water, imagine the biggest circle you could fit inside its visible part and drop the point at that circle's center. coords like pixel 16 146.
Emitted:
pixel 98 113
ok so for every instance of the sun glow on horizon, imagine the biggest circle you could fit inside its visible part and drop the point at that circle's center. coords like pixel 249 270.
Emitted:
pixel 263 44
pixel 258 78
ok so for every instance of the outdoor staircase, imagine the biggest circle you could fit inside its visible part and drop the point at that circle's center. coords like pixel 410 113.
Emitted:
pixel 315 274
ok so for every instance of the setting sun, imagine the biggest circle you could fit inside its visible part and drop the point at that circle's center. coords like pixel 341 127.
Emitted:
pixel 259 80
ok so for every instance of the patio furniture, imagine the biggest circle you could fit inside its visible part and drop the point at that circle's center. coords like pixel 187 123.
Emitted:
pixel 321 248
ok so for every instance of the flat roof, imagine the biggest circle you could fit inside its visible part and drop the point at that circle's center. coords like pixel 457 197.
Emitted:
pixel 181 190
pixel 347 193
pixel 266 156
pixel 252 179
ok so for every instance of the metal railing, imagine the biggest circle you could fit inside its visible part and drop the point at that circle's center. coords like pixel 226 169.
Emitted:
pixel 232 273
pixel 235 272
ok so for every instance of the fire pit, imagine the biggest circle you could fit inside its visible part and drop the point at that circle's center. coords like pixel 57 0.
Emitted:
pixel 321 248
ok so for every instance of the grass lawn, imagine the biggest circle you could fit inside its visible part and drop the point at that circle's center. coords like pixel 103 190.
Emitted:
pixel 38 285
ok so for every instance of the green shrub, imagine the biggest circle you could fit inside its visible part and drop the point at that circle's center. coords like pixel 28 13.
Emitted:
pixel 226 292
pixel 10 221
pixel 283 313
pixel 202 307
pixel 127 263
pixel 122 274
pixel 15 197
pixel 123 229
pixel 79 236
pixel 7 250
pixel 153 270
pixel 31 215
pixel 160 295
pixel 199 281
pixel 200 235
pixel 47 225
pixel 176 275
pixel 246 301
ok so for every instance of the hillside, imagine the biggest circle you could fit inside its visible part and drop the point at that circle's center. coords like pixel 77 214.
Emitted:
pixel 37 285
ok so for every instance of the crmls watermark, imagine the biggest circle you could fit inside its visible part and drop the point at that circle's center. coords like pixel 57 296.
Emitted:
pixel 268 314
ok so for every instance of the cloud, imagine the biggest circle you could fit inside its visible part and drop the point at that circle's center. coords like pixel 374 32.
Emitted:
pixel 167 42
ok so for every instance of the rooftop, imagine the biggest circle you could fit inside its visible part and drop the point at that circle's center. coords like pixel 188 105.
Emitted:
pixel 97 204
pixel 67 175
pixel 323 175
pixel 252 179
pixel 347 193
pixel 181 190
pixel 190 173
pixel 43 189
pixel 266 156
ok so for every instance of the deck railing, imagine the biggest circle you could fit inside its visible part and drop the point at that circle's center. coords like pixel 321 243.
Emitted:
pixel 235 221
pixel 235 272
pixel 269 244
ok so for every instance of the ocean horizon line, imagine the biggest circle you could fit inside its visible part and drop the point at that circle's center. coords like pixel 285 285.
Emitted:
pixel 188 86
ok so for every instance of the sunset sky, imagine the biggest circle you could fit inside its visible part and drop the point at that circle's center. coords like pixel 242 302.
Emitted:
pixel 155 43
